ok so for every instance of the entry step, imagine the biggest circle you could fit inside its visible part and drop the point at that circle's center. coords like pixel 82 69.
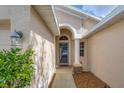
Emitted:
pixel 77 68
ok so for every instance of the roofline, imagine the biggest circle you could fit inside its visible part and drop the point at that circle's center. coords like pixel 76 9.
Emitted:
pixel 79 13
pixel 89 15
pixel 51 8
pixel 67 12
pixel 55 18
pixel 106 22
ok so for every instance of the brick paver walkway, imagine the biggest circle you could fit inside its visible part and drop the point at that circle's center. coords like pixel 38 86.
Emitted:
pixel 88 80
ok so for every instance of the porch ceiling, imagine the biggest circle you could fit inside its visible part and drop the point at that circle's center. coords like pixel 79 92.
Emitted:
pixel 49 17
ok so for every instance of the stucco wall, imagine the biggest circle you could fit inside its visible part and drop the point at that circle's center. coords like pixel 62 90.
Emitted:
pixel 36 36
pixel 20 21
pixel 64 18
pixel 42 42
pixel 106 54
pixel 88 25
pixel 15 17
pixel 80 25
pixel 4 12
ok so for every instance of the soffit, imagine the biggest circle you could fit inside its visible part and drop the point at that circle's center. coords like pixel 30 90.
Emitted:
pixel 49 17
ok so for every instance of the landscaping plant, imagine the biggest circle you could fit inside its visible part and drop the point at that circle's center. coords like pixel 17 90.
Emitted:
pixel 16 68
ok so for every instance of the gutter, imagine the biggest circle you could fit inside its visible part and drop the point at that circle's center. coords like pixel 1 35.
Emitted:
pixel 115 16
pixel 55 18
pixel 47 13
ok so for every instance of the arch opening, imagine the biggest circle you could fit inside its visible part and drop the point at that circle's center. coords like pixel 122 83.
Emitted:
pixel 69 28
pixel 64 46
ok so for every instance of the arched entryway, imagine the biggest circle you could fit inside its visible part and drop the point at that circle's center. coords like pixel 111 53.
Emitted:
pixel 72 45
pixel 64 48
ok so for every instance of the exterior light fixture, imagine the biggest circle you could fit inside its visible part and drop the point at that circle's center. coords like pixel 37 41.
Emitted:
pixel 16 39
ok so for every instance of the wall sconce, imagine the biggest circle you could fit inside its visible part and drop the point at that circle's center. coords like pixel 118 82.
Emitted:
pixel 16 38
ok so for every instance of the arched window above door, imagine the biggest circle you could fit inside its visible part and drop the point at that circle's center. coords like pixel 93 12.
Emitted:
pixel 63 38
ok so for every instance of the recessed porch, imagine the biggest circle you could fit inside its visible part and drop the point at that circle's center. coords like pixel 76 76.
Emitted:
pixel 65 78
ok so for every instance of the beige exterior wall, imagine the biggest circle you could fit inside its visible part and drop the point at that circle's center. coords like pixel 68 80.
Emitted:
pixel 88 24
pixel 42 41
pixel 36 36
pixel 106 54
pixel 4 12
pixel 20 21
pixel 14 17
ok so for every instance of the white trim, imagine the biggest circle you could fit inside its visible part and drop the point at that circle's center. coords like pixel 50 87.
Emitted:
pixel 69 27
pixel 109 20
pixel 54 28
pixel 77 51
pixel 69 47
pixel 55 18
pixel 72 29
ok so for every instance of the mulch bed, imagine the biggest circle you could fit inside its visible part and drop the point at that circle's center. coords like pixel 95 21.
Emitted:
pixel 88 80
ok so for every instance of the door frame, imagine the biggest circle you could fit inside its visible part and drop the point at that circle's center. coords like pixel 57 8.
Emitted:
pixel 69 48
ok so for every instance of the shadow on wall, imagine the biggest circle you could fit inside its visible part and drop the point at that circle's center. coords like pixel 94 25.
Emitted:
pixel 44 60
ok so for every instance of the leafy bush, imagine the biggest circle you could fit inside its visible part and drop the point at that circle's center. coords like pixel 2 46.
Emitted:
pixel 16 68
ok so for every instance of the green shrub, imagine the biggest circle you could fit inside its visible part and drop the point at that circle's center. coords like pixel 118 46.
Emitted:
pixel 16 68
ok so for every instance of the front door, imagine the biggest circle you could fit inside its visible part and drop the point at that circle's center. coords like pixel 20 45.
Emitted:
pixel 63 48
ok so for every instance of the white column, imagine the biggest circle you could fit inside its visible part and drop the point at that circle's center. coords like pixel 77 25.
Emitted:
pixel 77 51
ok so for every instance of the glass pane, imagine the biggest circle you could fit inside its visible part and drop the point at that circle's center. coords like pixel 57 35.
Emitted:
pixel 81 48
pixel 63 52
